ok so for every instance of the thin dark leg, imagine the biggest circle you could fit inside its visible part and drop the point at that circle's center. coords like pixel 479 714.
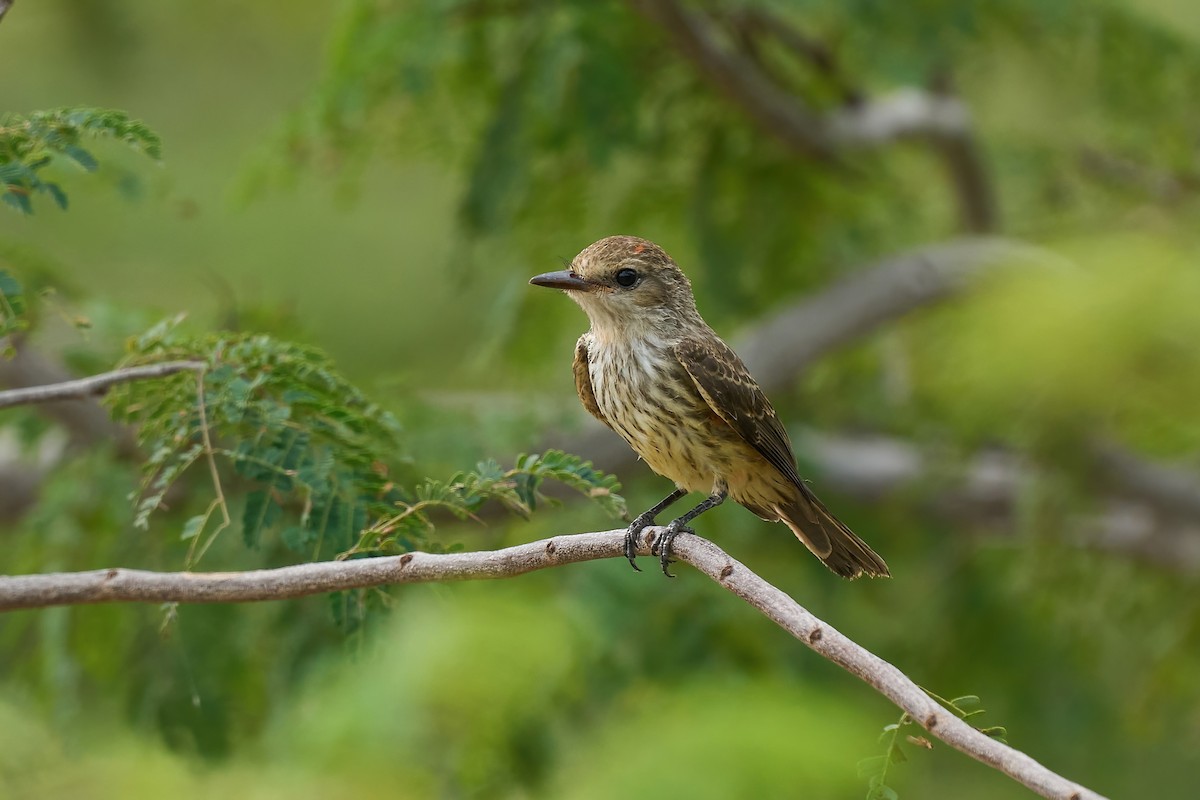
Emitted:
pixel 644 521
pixel 663 546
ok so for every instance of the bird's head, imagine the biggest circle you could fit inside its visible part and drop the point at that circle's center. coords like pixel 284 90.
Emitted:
pixel 626 284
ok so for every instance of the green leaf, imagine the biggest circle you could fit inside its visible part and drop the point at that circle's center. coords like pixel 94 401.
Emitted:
pixel 871 766
pixel 81 157
pixel 882 792
pixel 193 526
pixel 18 200
pixel 30 142
pixel 259 514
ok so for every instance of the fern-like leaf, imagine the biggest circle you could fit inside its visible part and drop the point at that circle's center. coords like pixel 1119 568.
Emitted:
pixel 31 142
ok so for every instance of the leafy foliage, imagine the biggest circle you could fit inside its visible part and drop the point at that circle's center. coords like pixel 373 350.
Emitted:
pixel 875 768
pixel 29 143
pixel 310 451
pixel 12 304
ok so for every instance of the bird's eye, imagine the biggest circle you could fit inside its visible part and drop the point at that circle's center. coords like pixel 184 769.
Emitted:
pixel 627 277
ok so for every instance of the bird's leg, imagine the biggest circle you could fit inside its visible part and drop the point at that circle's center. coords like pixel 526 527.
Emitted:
pixel 662 547
pixel 643 521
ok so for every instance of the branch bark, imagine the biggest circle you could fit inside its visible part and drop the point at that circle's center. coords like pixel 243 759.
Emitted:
pixel 93 385
pixel 123 585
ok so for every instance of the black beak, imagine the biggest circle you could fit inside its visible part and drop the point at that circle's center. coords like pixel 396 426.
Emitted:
pixel 564 279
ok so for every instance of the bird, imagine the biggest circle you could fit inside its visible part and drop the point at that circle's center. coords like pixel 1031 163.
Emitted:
pixel 652 370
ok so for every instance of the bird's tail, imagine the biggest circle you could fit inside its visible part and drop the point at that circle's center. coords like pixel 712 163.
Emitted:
pixel 829 539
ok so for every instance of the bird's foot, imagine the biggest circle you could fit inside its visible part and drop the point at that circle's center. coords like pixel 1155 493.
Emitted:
pixel 662 545
pixel 633 534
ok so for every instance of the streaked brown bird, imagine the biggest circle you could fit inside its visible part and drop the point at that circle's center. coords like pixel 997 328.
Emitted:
pixel 651 369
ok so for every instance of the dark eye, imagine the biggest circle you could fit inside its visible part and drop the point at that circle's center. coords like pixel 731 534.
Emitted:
pixel 627 277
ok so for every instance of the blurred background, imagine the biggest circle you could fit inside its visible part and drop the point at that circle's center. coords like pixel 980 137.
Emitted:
pixel 956 241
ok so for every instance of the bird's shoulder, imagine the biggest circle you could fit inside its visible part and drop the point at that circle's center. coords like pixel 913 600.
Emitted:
pixel 736 398
pixel 583 378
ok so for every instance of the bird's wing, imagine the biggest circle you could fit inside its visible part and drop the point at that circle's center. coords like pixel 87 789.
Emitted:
pixel 583 379
pixel 726 385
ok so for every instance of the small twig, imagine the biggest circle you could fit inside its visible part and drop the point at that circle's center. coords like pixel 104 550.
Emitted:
pixel 123 585
pixel 219 498
pixel 95 384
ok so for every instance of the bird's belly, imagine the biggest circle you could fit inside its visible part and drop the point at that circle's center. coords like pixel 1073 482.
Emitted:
pixel 658 412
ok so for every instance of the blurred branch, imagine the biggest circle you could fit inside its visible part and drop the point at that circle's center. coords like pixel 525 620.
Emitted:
pixel 1152 513
pixel 1171 489
pixel 123 585
pixel 1160 185
pixel 69 402
pixel 5 5
pixel 752 23
pixel 938 118
pixel 20 485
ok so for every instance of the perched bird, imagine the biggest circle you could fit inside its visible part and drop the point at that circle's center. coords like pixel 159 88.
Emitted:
pixel 651 369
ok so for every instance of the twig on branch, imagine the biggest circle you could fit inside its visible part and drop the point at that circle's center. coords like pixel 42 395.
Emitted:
pixel 936 117
pixel 123 585
pixel 94 384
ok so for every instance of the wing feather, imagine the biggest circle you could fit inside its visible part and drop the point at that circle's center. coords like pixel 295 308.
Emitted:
pixel 583 379
pixel 733 395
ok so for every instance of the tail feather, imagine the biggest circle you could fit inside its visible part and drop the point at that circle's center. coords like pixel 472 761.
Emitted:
pixel 830 540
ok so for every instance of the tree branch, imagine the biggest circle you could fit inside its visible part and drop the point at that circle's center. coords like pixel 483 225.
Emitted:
pixel 1151 512
pixel 93 385
pixel 70 403
pixel 85 420
pixel 124 585
pixel 5 5
pixel 910 113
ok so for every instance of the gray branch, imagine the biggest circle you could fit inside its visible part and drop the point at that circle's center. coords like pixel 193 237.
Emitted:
pixel 125 585
pixel 93 385
pixel 85 421
pixel 5 5
pixel 69 402
pixel 937 118
pixel 1150 512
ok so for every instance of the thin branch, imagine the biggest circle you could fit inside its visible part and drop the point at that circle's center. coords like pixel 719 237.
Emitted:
pixel 214 475
pixel 123 585
pixel 5 5
pixel 85 421
pixel 95 384
pixel 779 113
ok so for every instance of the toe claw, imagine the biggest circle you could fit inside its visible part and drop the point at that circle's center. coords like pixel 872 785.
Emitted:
pixel 632 536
